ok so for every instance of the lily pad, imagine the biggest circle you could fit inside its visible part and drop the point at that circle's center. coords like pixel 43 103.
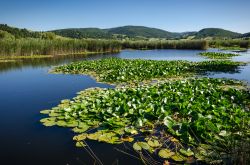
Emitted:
pixel 144 145
pixel 80 144
pixel 187 152
pixel 154 143
pixel 45 111
pixel 166 153
pixel 127 139
pixel 80 137
pixel 178 157
pixel 137 147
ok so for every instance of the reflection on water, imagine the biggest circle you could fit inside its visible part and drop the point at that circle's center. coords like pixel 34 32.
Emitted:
pixel 244 72
pixel 169 54
pixel 26 88
pixel 50 61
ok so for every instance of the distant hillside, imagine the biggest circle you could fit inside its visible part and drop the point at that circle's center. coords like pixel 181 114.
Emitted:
pixel 19 33
pixel 139 32
pixel 83 33
pixel 16 33
pixel 126 31
pixel 142 31
pixel 245 35
pixel 216 33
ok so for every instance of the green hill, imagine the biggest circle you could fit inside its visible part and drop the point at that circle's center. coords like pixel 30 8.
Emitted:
pixel 216 33
pixel 119 32
pixel 83 33
pixel 15 33
pixel 126 31
pixel 245 35
pixel 19 33
pixel 142 31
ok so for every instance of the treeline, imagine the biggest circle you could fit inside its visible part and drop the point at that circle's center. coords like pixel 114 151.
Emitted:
pixel 7 32
pixel 20 33
pixel 80 33
pixel 173 44
pixel 32 46
pixel 229 43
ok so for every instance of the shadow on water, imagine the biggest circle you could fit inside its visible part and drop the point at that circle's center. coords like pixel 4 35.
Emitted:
pixel 26 88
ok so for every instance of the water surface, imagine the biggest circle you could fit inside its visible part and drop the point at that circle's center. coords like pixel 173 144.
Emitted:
pixel 26 88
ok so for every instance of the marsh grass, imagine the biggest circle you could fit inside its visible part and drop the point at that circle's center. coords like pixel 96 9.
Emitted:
pixel 168 44
pixel 218 55
pixel 36 47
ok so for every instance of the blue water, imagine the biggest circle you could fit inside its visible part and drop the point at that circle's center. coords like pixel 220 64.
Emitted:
pixel 26 88
pixel 244 73
pixel 169 54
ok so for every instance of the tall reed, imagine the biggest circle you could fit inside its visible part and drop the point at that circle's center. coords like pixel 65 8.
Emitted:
pixel 174 44
pixel 31 46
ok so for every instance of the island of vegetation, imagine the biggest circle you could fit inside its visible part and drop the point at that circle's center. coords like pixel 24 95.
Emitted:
pixel 159 109
pixel 218 55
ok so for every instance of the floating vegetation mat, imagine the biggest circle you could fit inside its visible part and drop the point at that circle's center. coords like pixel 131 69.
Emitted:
pixel 115 70
pixel 181 121
pixel 217 55
pixel 233 48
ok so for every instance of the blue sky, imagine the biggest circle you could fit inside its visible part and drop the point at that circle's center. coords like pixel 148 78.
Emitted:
pixel 171 15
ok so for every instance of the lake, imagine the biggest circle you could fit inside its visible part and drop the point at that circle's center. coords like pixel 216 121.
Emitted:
pixel 27 88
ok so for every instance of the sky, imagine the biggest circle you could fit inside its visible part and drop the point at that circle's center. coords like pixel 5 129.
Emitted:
pixel 170 15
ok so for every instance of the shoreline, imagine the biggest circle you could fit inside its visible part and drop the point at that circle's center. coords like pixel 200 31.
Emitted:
pixel 15 58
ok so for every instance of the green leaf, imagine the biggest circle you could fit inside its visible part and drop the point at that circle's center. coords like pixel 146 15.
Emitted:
pixel 187 152
pixel 80 144
pixel 168 122
pixel 154 143
pixel 80 137
pixel 45 111
pixel 137 147
pixel 144 145
pixel 177 157
pixel 223 133
pixel 165 153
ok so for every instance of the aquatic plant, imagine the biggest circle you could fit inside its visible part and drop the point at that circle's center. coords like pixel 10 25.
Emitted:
pixel 166 44
pixel 115 70
pixel 238 43
pixel 52 45
pixel 175 118
pixel 218 55
pixel 181 120
pixel 31 46
pixel 235 49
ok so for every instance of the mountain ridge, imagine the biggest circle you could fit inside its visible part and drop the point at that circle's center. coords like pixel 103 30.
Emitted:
pixel 128 31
